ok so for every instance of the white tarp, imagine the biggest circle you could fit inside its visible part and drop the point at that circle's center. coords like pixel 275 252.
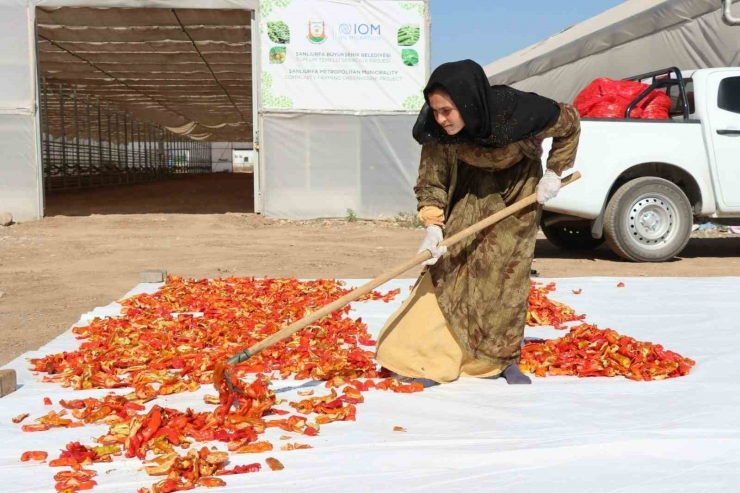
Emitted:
pixel 369 55
pixel 636 37
pixel 560 434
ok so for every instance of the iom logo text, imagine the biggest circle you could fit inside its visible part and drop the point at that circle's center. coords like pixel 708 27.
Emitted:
pixel 357 31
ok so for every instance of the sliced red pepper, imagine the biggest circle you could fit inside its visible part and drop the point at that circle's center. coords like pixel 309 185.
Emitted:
pixel 255 448
pixel 66 462
pixel 34 455
pixel 133 406
pixel 38 427
pixel 249 468
pixel 202 436
pixel 153 422
pixel 82 475
pixel 210 482
pixel 274 464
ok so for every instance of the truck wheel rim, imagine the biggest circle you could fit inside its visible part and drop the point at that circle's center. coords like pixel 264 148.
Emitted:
pixel 652 221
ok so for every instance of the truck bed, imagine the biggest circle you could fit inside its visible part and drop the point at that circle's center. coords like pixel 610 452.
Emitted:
pixel 609 147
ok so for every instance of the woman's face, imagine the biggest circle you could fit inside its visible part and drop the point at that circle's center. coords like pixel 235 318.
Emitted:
pixel 445 112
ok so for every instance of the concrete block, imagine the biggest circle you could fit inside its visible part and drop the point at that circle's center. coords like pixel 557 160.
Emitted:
pixel 6 218
pixel 8 382
pixel 152 276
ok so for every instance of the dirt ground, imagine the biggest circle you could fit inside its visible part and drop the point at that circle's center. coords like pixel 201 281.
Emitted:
pixel 91 247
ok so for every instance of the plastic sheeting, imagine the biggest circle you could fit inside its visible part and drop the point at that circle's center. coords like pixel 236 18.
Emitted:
pixel 636 37
pixel 560 434
pixel 20 173
pixel 320 165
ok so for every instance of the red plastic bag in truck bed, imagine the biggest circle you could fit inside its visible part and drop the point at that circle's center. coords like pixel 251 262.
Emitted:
pixel 609 98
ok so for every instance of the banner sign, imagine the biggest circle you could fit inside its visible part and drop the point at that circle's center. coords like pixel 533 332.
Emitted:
pixel 356 55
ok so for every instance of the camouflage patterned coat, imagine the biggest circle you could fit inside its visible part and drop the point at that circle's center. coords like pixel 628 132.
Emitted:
pixel 482 284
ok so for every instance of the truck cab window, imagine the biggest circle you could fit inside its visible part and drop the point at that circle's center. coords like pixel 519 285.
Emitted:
pixel 728 98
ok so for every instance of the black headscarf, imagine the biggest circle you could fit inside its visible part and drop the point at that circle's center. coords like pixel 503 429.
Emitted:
pixel 494 116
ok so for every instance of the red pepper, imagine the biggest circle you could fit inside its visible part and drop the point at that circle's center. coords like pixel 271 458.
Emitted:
pixel 133 406
pixel 75 485
pixel 83 475
pixel 66 462
pixel 249 468
pixel 274 464
pixel 409 389
pixel 98 415
pixel 362 387
pixel 178 423
pixel 38 427
pixel 169 433
pixel 210 482
pixel 134 445
pixel 255 448
pixel 153 422
pixel 34 455
pixel 335 404
pixel 47 401
pixel 202 436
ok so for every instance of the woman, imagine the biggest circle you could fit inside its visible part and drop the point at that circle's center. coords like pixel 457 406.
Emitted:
pixel 481 152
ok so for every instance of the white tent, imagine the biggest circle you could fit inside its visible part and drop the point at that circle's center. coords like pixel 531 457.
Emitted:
pixel 313 161
pixel 21 171
pixel 636 37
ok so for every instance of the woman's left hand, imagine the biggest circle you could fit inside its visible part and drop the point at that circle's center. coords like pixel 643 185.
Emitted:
pixel 548 187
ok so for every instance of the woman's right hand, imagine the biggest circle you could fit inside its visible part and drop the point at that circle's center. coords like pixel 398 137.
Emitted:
pixel 433 238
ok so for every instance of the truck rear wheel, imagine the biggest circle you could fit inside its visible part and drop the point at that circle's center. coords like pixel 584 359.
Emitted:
pixel 648 220
pixel 571 236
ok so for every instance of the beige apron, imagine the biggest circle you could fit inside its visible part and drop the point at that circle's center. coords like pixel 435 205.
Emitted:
pixel 417 343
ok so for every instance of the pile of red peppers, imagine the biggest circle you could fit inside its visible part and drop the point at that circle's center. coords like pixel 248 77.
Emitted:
pixel 587 351
pixel 169 342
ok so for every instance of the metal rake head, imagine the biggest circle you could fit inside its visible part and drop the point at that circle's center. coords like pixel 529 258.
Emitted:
pixel 225 382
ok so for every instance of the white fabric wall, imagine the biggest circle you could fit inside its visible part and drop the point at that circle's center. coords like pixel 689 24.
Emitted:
pixel 20 182
pixel 320 165
pixel 636 37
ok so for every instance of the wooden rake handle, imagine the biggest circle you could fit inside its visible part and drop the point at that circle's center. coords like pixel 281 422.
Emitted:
pixel 387 276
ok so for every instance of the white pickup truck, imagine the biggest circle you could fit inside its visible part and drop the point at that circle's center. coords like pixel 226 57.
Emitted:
pixel 646 182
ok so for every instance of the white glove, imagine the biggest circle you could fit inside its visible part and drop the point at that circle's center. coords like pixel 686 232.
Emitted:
pixel 431 240
pixel 548 187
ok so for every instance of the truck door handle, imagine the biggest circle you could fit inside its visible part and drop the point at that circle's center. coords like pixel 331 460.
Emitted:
pixel 728 131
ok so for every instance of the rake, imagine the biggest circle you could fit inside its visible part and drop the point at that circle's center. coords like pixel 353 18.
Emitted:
pixel 224 380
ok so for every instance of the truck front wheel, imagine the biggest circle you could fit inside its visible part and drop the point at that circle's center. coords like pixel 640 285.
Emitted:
pixel 648 220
